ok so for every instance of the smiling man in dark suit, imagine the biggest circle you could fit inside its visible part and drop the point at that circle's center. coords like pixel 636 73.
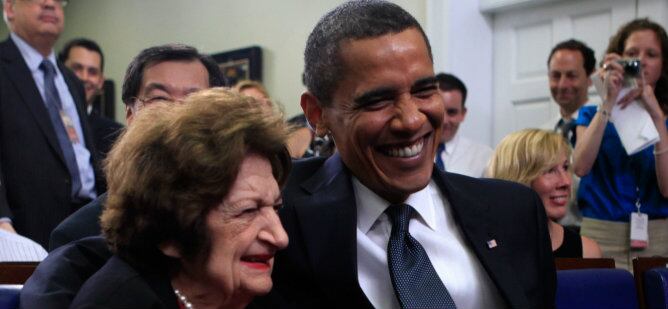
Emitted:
pixel 85 58
pixel 46 150
pixel 376 225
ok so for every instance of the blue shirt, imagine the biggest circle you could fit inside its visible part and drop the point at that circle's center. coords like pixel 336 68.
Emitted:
pixel 33 59
pixel 617 180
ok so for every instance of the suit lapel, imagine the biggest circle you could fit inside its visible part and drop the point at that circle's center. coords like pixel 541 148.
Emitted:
pixel 330 209
pixel 22 80
pixel 479 227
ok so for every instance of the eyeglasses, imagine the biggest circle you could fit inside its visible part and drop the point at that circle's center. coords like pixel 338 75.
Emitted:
pixel 155 99
pixel 61 3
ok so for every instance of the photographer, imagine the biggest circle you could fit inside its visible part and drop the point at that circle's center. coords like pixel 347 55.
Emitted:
pixel 619 193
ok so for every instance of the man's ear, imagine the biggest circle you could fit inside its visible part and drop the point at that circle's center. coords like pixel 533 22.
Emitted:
pixel 128 113
pixel 170 250
pixel 314 113
pixel 8 8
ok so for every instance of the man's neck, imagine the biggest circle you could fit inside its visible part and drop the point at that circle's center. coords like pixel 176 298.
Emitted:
pixel 42 44
pixel 568 114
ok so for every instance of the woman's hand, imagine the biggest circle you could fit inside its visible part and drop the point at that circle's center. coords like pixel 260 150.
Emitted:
pixel 651 104
pixel 612 74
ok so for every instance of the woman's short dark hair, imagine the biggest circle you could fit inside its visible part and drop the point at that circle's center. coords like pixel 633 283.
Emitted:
pixel 618 42
pixel 178 161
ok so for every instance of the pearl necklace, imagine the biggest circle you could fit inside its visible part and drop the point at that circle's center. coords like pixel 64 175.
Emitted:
pixel 183 299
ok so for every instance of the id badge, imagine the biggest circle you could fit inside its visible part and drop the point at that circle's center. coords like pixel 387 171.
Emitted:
pixel 639 235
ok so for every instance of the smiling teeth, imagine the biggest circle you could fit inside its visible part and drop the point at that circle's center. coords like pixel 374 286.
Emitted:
pixel 405 152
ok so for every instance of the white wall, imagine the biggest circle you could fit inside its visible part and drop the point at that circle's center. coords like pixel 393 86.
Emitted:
pixel 461 38
pixel 124 27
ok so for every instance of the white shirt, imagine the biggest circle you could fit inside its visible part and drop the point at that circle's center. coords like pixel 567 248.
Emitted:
pixel 463 156
pixel 434 227
pixel 33 59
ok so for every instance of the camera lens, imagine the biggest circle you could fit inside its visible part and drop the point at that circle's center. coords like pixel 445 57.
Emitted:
pixel 632 67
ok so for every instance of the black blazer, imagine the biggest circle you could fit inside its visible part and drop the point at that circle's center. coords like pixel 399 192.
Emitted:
pixel 120 285
pixel 59 277
pixel 82 223
pixel 319 267
pixel 105 132
pixel 36 185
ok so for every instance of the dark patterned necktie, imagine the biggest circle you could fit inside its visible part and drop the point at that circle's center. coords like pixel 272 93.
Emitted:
pixel 567 130
pixel 416 283
pixel 439 159
pixel 55 108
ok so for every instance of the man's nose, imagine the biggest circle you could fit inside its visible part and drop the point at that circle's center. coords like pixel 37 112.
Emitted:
pixel 408 116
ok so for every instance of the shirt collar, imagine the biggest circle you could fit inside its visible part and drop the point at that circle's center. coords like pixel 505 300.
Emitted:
pixel 370 206
pixel 452 144
pixel 31 56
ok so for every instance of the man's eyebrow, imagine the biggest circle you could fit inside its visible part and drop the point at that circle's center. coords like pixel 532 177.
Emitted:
pixel 155 86
pixel 420 84
pixel 369 96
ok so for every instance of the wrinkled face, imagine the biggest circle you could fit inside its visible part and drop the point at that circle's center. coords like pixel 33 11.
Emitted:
pixel 386 113
pixel 568 80
pixel 33 21
pixel 645 45
pixel 87 65
pixel 169 81
pixel 246 232
pixel 554 188
pixel 454 113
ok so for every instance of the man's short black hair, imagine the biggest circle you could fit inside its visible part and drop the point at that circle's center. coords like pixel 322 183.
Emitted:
pixel 354 20
pixel 449 82
pixel 169 52
pixel 586 51
pixel 81 42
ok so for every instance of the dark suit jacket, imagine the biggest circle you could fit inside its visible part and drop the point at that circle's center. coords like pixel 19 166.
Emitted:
pixel 319 267
pixel 57 279
pixel 83 223
pixel 105 132
pixel 36 191
pixel 120 285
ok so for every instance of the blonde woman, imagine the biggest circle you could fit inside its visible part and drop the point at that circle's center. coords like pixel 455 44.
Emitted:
pixel 541 160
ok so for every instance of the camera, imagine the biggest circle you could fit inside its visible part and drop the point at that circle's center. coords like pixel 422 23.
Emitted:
pixel 631 67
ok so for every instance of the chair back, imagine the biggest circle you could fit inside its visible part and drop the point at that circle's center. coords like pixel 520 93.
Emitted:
pixel 9 296
pixel 656 288
pixel 595 288
pixel 16 272
pixel 642 265
pixel 580 263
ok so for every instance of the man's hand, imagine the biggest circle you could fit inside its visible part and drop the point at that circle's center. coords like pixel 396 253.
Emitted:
pixel 7 227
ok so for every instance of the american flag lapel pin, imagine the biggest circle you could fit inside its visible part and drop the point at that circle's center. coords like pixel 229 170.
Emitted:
pixel 491 243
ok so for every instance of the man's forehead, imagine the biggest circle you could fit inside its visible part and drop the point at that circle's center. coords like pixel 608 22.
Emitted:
pixel 77 53
pixel 567 57
pixel 185 75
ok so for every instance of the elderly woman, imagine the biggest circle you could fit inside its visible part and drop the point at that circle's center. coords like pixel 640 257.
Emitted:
pixel 191 213
pixel 541 160
pixel 614 184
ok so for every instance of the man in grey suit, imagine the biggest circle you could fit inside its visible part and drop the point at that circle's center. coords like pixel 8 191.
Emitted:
pixel 46 151
pixel 376 224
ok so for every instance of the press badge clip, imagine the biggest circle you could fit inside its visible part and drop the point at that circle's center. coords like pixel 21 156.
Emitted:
pixel 639 234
